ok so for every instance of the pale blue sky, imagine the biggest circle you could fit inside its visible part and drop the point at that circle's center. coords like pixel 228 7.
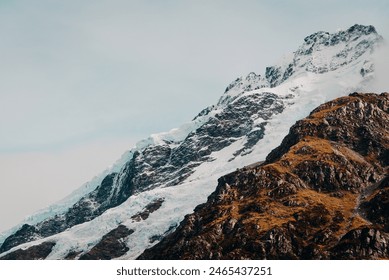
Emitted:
pixel 81 81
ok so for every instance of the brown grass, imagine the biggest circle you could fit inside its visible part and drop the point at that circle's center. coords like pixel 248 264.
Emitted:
pixel 322 150
pixel 279 214
pixel 322 113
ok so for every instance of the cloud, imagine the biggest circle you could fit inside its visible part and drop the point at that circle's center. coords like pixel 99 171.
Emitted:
pixel 381 63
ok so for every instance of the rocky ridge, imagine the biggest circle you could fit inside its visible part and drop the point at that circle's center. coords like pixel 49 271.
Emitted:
pixel 322 194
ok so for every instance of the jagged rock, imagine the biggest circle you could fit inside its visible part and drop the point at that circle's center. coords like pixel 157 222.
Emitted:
pixel 376 206
pixel 304 57
pixel 363 243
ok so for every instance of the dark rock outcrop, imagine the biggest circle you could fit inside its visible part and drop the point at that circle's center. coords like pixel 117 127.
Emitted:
pixel 24 234
pixel 322 194
pixel 362 243
pixel 376 205
pixel 150 208
pixel 37 252
pixel 110 246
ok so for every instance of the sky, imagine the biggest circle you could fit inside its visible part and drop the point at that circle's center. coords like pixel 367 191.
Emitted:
pixel 82 81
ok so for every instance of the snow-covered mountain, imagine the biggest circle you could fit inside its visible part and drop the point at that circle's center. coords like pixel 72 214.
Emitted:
pixel 145 195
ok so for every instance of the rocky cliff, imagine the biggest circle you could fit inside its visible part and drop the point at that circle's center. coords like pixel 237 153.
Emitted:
pixel 322 194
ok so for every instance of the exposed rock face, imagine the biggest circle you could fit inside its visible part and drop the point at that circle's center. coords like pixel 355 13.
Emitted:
pixel 362 243
pixel 322 194
pixel 38 252
pixel 150 208
pixel 24 234
pixel 376 204
pixel 110 246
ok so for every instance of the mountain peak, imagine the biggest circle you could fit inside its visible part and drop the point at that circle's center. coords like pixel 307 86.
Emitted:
pixel 364 29
pixel 321 52
pixel 352 33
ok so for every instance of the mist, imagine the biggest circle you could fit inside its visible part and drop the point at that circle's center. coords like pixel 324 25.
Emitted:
pixel 381 63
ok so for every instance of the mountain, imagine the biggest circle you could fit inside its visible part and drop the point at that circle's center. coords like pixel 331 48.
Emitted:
pixel 322 194
pixel 146 194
